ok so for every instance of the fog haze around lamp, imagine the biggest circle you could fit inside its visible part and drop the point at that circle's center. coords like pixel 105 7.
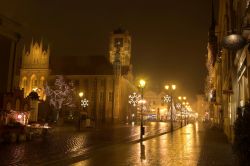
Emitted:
pixel 142 83
pixel 233 42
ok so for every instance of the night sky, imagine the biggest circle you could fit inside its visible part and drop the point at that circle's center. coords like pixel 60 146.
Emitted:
pixel 169 38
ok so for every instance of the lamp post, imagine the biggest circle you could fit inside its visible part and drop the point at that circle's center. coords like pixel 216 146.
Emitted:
pixel 79 121
pixel 142 84
pixel 173 87
pixel 84 103
pixel 134 100
pixel 181 98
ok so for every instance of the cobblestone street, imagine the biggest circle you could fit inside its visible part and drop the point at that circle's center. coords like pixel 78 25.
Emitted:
pixel 66 144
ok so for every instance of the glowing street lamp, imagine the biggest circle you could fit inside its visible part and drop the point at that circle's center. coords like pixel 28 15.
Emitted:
pixel 80 94
pixel 142 84
pixel 83 102
pixel 173 87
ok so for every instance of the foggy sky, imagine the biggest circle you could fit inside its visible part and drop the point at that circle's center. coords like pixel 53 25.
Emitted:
pixel 169 38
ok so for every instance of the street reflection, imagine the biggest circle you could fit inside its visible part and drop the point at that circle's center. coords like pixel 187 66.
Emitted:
pixel 143 155
pixel 183 147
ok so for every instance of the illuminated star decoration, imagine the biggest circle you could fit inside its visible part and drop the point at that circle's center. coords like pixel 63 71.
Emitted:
pixel 178 105
pixel 134 99
pixel 84 103
pixel 167 99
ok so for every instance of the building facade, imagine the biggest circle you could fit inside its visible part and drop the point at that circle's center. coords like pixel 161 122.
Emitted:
pixel 9 40
pixel 10 36
pixel 202 107
pixel 228 80
pixel 106 81
pixel 34 70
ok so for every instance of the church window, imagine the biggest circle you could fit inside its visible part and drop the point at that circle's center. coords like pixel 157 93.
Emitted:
pixel 35 83
pixel 24 82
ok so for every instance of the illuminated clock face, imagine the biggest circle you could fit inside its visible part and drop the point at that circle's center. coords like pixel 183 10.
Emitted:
pixel 118 42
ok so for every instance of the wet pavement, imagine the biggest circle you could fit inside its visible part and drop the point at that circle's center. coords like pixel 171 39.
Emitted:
pixel 192 145
pixel 67 146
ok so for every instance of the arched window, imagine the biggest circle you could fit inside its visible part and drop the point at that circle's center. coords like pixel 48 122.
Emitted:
pixel 42 81
pixel 33 81
pixel 24 82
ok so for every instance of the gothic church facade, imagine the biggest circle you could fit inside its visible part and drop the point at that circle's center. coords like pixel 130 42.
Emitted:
pixel 106 81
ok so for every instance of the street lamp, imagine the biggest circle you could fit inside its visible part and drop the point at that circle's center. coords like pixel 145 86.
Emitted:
pixel 142 84
pixel 83 106
pixel 181 98
pixel 79 118
pixel 80 94
pixel 173 87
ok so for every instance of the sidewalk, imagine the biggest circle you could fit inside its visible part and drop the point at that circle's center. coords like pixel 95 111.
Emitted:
pixel 215 148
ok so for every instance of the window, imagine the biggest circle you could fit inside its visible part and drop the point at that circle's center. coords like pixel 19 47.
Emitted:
pixel 101 96
pixel 42 81
pixel 118 42
pixel 110 96
pixel 33 81
pixel 24 82
pixel 77 83
pixel 86 83
pixel 93 96
pixel 102 83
